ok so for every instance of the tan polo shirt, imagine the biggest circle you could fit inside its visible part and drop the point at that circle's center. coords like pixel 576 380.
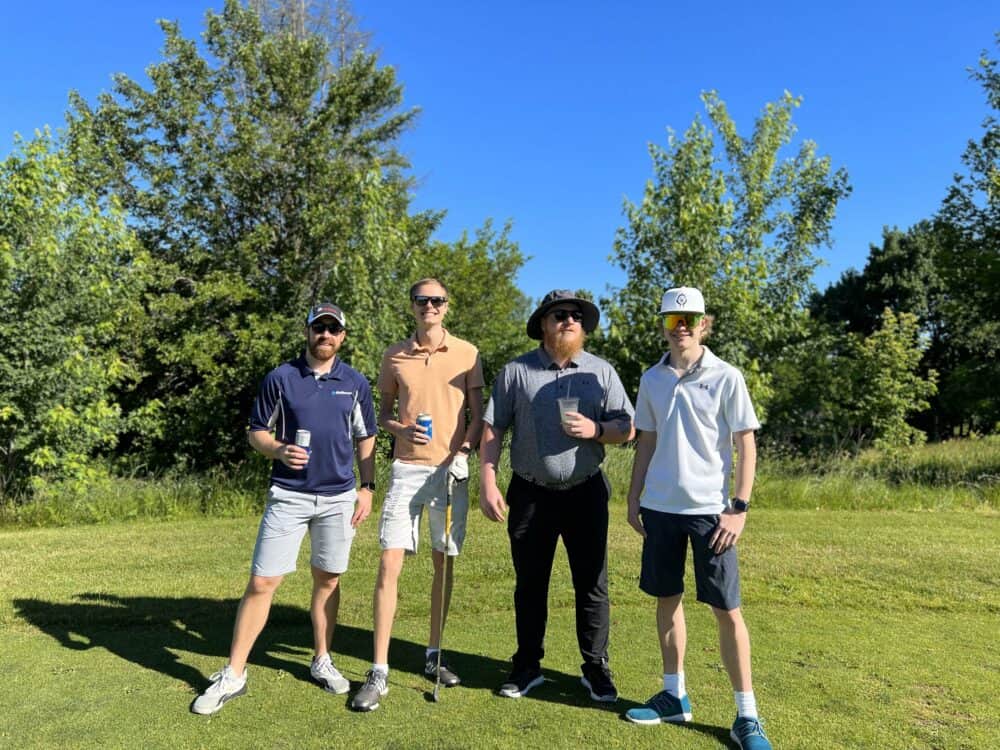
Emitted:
pixel 434 381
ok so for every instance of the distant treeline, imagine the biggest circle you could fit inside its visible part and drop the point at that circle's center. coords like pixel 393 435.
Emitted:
pixel 156 259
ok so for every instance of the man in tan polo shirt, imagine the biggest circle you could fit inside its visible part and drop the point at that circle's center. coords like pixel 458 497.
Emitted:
pixel 439 374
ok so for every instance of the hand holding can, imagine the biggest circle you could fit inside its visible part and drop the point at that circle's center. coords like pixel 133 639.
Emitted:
pixel 302 439
pixel 424 429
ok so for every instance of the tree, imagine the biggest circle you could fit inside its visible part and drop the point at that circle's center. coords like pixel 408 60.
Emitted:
pixel 261 179
pixel 904 275
pixel 70 277
pixel 336 23
pixel 969 221
pixel 741 223
pixel 901 274
pixel 842 390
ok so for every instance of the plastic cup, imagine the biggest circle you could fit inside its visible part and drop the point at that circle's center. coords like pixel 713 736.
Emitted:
pixel 567 404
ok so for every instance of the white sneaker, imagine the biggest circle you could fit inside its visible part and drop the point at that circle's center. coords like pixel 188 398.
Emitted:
pixel 225 686
pixel 327 675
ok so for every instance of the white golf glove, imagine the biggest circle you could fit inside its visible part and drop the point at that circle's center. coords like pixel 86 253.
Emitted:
pixel 459 469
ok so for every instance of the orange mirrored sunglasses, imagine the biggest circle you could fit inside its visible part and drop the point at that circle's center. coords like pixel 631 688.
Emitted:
pixel 690 320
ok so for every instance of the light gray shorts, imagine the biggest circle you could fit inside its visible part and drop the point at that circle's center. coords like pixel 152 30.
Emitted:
pixel 411 488
pixel 287 516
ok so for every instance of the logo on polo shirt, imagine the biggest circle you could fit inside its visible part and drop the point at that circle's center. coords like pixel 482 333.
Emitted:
pixel 341 393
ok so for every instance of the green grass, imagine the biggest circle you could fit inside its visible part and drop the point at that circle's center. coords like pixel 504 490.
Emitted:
pixel 960 474
pixel 870 630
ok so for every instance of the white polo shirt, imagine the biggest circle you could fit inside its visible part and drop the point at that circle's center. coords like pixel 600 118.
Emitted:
pixel 694 418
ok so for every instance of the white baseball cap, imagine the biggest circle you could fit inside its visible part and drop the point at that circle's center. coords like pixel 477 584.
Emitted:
pixel 683 299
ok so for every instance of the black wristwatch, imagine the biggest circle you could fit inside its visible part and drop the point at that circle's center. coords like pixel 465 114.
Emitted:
pixel 465 450
pixel 740 506
pixel 370 486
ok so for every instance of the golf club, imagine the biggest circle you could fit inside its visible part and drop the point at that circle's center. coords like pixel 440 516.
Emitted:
pixel 444 582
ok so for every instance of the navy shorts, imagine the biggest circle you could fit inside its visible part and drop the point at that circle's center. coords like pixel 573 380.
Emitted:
pixel 717 577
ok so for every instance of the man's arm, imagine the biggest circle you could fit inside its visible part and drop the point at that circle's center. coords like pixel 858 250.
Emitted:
pixel 644 449
pixel 292 456
pixel 474 430
pixel 746 463
pixel 615 425
pixel 491 500
pixel 611 432
pixel 365 449
pixel 387 421
pixel 731 522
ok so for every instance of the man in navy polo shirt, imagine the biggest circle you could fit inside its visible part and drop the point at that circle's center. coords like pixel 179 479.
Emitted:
pixel 310 489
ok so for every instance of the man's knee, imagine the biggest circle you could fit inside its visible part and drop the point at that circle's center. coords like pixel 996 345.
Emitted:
pixel 325 580
pixel 728 618
pixel 262 585
pixel 390 565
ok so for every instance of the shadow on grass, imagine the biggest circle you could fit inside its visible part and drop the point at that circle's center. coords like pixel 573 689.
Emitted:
pixel 720 734
pixel 148 630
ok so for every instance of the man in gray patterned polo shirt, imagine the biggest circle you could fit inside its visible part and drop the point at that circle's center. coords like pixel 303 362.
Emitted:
pixel 562 405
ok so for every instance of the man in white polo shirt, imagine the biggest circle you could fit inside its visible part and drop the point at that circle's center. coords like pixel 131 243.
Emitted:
pixel 692 408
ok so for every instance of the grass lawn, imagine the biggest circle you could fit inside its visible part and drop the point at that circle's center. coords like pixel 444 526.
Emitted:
pixel 871 629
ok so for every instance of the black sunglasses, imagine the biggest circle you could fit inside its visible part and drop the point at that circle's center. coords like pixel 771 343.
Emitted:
pixel 333 328
pixel 562 315
pixel 421 300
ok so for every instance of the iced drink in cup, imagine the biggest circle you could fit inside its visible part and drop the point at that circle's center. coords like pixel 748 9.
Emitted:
pixel 567 404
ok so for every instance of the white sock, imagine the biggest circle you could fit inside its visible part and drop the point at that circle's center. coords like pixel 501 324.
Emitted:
pixel 746 704
pixel 431 650
pixel 383 668
pixel 674 684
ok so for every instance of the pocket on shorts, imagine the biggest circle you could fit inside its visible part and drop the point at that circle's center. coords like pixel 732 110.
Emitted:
pixel 349 508
pixel 279 514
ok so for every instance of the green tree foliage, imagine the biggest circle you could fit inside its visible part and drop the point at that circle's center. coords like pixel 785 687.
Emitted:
pixel 947 273
pixel 260 178
pixel 840 390
pixel 734 217
pixel 70 277
pixel 901 274
pixel 969 221
pixel 904 274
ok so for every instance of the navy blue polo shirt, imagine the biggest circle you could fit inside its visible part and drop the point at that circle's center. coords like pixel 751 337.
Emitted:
pixel 336 408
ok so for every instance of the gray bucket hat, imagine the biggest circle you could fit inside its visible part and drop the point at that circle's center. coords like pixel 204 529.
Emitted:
pixel 590 312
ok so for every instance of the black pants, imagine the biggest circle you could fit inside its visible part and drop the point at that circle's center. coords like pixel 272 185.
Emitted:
pixel 537 518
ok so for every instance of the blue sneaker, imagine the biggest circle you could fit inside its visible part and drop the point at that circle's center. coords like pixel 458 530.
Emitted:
pixel 661 707
pixel 749 734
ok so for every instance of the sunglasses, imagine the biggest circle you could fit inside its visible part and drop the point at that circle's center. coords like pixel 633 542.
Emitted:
pixel 690 320
pixel 422 300
pixel 333 328
pixel 562 315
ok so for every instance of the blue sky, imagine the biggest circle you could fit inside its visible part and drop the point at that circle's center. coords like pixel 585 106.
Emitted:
pixel 541 112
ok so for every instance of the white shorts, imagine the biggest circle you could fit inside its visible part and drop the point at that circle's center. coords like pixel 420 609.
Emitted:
pixel 411 488
pixel 287 516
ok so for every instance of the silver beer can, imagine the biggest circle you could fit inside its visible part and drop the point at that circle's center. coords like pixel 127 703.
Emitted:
pixel 303 438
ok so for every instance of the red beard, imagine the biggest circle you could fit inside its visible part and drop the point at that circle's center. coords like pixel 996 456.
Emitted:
pixel 565 347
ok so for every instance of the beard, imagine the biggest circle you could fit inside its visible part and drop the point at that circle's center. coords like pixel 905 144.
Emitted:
pixel 565 344
pixel 323 350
